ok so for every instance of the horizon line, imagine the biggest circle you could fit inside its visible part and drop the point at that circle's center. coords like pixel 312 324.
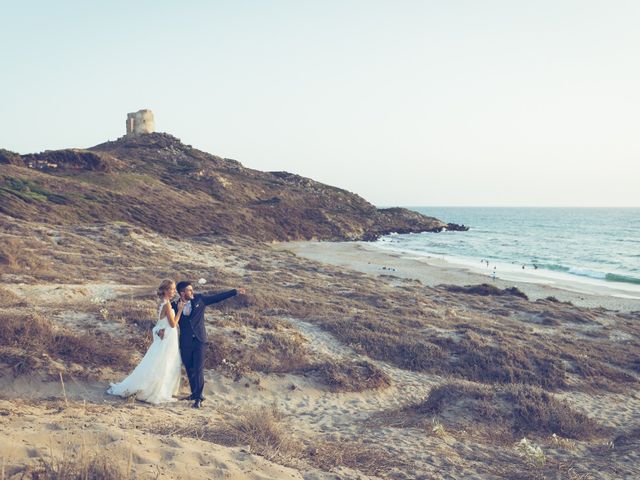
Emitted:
pixel 507 206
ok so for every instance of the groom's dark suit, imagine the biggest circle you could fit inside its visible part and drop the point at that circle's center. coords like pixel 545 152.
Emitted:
pixel 193 338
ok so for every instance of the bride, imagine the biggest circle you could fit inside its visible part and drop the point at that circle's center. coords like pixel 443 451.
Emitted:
pixel 156 379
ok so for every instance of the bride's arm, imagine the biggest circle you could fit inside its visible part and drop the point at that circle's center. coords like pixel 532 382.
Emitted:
pixel 173 318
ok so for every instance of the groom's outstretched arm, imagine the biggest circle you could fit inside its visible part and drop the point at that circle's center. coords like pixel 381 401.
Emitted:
pixel 218 297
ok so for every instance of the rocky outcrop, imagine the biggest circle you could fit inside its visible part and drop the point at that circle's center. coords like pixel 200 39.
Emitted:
pixel 401 220
pixel 156 181
pixel 69 159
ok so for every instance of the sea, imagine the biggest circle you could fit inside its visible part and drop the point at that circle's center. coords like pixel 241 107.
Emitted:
pixel 599 246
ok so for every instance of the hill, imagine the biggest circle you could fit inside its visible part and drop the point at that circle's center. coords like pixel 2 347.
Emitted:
pixel 156 181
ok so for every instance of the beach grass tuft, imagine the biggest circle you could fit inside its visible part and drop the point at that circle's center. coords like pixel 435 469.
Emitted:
pixel 30 336
pixel 516 409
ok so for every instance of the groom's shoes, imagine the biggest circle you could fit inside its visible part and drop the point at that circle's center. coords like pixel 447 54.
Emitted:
pixel 197 403
pixel 190 397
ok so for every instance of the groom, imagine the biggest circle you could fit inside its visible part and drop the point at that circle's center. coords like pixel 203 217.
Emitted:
pixel 193 335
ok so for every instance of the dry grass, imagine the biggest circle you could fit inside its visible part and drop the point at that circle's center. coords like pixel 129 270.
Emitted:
pixel 17 256
pixel 138 317
pixel 627 441
pixel 141 314
pixel 31 334
pixel 354 376
pixel 486 289
pixel 500 359
pixel 263 430
pixel 286 351
pixel 276 352
pixel 219 351
pixel 261 301
pixel 279 352
pixel 257 320
pixel 82 466
pixel 254 266
pixel 40 252
pixel 370 460
pixel 466 354
pixel 11 299
pixel 567 313
pixel 20 361
pixel 29 330
pixel 514 409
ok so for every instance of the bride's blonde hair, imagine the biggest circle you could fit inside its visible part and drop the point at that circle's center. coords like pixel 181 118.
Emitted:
pixel 165 286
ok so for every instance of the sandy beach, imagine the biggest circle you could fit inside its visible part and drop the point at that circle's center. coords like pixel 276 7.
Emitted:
pixel 431 271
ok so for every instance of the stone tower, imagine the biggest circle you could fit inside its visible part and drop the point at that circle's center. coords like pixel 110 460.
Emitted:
pixel 140 122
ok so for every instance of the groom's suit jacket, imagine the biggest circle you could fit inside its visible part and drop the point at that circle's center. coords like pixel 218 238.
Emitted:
pixel 192 325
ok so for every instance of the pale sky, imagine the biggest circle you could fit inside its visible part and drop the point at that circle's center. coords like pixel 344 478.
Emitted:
pixel 450 102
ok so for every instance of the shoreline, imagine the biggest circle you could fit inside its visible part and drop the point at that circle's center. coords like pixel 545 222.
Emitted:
pixel 431 271
pixel 513 272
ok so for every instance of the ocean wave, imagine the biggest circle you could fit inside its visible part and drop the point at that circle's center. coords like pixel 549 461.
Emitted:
pixel 614 277
pixel 583 272
pixel 555 268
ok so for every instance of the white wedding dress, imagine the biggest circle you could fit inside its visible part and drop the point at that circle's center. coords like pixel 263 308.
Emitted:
pixel 156 379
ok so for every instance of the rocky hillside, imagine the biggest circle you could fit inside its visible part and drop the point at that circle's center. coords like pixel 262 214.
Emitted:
pixel 156 181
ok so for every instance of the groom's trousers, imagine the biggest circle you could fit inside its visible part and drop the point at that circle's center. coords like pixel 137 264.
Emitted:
pixel 193 354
